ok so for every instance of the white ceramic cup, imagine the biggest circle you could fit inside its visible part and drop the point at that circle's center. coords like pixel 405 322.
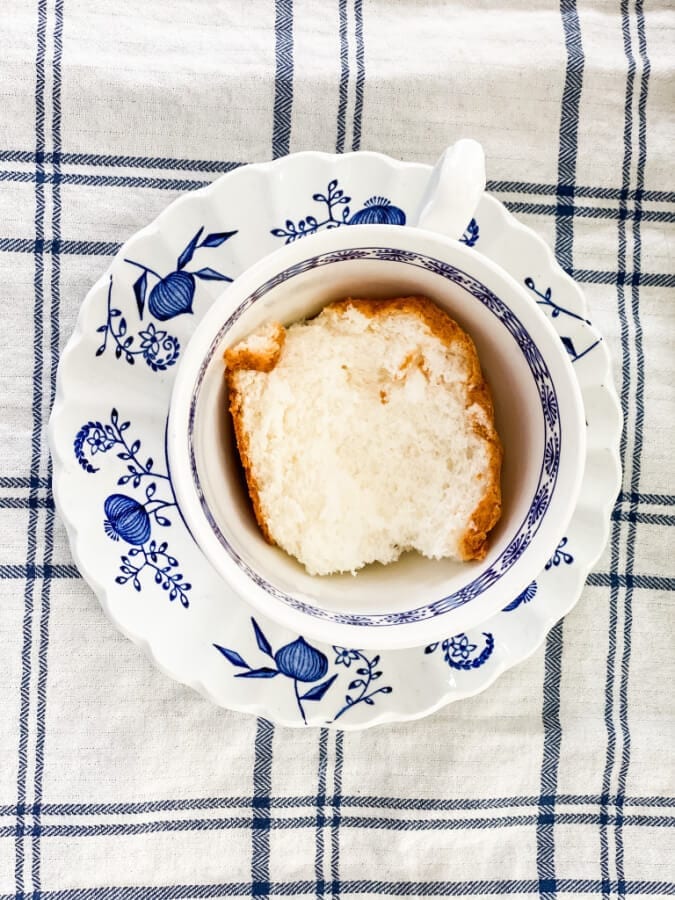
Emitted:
pixel 539 416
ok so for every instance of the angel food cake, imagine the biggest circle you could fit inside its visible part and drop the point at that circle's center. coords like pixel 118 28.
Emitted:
pixel 366 432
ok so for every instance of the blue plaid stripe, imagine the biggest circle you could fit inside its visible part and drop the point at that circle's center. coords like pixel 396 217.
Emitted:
pixel 321 819
pixel 228 823
pixel 262 786
pixel 565 212
pixel 560 886
pixel 615 586
pixel 344 78
pixel 638 426
pixel 360 74
pixel 49 524
pixel 31 554
pixel 283 82
pixel 336 800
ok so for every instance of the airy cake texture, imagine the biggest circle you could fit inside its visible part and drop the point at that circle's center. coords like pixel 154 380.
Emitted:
pixel 365 432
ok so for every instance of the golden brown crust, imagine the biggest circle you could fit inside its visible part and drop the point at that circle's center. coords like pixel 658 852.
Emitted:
pixel 473 544
pixel 241 356
pixel 235 403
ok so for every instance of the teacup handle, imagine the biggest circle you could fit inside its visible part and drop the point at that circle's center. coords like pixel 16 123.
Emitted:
pixel 454 189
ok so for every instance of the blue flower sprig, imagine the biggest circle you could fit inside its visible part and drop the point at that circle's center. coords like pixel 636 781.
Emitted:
pixel 376 210
pixel 333 199
pixel 546 300
pixel 171 295
pixel 156 346
pixel 96 437
pixel 156 558
pixel 298 661
pixel 368 673
pixel 128 518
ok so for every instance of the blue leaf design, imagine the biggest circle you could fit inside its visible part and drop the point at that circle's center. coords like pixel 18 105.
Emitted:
pixel 232 656
pixel 569 346
pixel 260 638
pixel 216 238
pixel 188 253
pixel 317 692
pixel 264 672
pixel 208 274
pixel 140 287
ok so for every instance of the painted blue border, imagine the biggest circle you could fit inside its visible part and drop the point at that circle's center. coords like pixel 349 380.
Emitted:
pixel 548 472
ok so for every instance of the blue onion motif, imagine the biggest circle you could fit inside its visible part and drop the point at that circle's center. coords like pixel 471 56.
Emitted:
pixel 298 661
pixel 378 211
pixel 127 519
pixel 172 296
pixel 301 661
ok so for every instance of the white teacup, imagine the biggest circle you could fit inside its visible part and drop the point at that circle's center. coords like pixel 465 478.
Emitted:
pixel 539 416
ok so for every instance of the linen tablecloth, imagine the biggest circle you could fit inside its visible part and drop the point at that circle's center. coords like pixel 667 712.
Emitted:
pixel 116 782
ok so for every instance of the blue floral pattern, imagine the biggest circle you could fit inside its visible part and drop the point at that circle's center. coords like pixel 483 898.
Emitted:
pixel 460 653
pixel 171 295
pixel 336 212
pixel 298 661
pixel 359 690
pixel 129 519
pixel 546 300
pixel 304 664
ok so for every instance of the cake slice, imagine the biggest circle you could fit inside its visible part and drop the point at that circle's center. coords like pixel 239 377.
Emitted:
pixel 366 432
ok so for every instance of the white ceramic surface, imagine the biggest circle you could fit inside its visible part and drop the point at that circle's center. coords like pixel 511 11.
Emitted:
pixel 539 415
pixel 206 636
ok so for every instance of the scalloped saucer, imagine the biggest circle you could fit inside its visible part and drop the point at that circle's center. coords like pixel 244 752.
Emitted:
pixel 113 487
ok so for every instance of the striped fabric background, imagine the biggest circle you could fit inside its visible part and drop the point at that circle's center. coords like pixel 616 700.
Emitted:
pixel 116 782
